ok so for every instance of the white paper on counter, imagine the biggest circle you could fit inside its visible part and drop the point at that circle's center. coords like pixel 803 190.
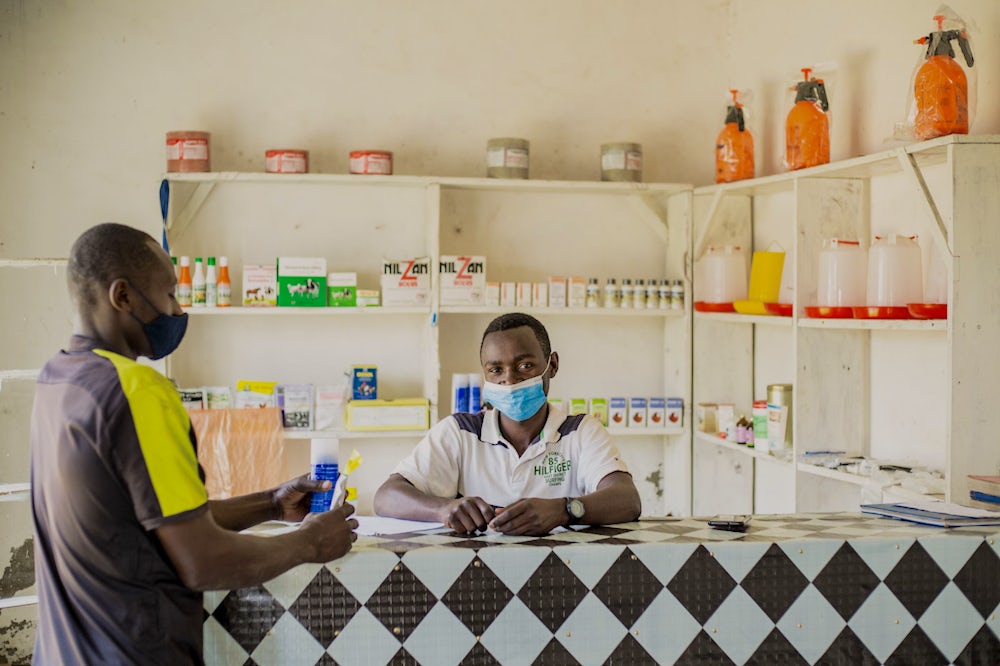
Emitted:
pixel 379 526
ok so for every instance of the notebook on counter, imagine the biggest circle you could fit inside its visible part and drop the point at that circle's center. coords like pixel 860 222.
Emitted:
pixel 938 514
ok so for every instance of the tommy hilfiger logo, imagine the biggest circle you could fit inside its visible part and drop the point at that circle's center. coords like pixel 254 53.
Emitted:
pixel 553 468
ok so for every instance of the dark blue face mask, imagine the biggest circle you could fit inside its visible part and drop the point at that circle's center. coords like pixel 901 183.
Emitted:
pixel 165 332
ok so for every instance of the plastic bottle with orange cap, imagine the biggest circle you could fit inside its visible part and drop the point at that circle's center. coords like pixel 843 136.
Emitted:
pixel 734 146
pixel 807 128
pixel 941 89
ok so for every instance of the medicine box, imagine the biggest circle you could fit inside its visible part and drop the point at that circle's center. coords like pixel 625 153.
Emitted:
pixel 557 292
pixel 301 282
pixel 540 294
pixel 725 420
pixel 656 415
pixel 617 412
pixel 599 410
pixel 260 285
pixel 193 398
pixel 675 412
pixel 523 298
pixel 368 298
pixel 342 290
pixel 330 400
pixel 406 282
pixel 637 412
pixel 462 279
pixel 254 394
pixel 364 382
pixel 401 414
pixel 508 294
pixel 296 403
pixel 577 406
pixel 705 417
pixel 576 296
pixel 493 294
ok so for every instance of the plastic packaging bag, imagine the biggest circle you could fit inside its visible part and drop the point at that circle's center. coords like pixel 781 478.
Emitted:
pixel 241 450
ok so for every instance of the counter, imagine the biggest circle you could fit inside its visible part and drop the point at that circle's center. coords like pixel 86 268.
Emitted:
pixel 822 588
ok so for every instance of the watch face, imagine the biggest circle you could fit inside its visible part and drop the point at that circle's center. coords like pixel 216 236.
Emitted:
pixel 575 508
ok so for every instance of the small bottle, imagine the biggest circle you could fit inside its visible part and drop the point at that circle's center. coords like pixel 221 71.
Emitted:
pixel 211 285
pixel 198 284
pixel 224 297
pixel 627 293
pixel 652 295
pixel 184 283
pixel 639 295
pixel 664 294
pixel 611 294
pixel 593 293
pixel 677 295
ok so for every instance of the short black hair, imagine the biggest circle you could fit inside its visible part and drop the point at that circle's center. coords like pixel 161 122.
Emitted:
pixel 506 322
pixel 105 253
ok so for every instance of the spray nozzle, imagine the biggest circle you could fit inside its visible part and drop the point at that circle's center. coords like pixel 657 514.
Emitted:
pixel 734 113
pixel 939 42
pixel 811 90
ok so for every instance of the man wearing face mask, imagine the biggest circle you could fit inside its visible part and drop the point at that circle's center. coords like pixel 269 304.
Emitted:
pixel 126 538
pixel 521 467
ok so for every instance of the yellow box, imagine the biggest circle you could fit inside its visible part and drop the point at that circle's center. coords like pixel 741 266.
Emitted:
pixel 378 415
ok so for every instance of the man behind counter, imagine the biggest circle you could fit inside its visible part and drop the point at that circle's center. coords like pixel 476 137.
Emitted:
pixel 125 535
pixel 521 467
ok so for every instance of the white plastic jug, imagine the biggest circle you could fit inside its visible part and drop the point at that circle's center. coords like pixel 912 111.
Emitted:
pixel 843 272
pixel 895 275
pixel 724 274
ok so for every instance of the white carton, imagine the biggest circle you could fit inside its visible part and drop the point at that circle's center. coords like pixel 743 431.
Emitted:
pixel 493 293
pixel 577 292
pixel 508 294
pixel 406 282
pixel 557 292
pixel 637 412
pixel 540 294
pixel 463 280
pixel 523 298
pixel 260 285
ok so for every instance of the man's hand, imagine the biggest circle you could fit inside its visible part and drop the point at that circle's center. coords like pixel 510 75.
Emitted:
pixel 531 516
pixel 330 533
pixel 291 499
pixel 467 514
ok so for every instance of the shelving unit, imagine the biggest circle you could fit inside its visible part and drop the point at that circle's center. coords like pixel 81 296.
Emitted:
pixel 914 391
pixel 527 230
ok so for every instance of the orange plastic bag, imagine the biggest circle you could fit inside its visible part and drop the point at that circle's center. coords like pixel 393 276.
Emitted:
pixel 242 450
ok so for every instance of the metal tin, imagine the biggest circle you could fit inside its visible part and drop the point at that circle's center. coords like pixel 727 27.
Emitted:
pixel 621 162
pixel 507 158
pixel 187 152
pixel 371 162
pixel 286 160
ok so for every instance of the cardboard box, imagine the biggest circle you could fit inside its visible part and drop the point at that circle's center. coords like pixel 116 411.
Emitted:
pixel 725 420
pixel 254 394
pixel 342 290
pixel 557 292
pixel 656 413
pixel 401 414
pixel 296 403
pixel 617 412
pixel 523 298
pixel 406 282
pixel 462 279
pixel 675 412
pixel 576 292
pixel 508 294
pixel 704 417
pixel 599 410
pixel 577 406
pixel 301 282
pixel 364 382
pixel 330 401
pixel 260 285
pixel 540 294
pixel 193 398
pixel 637 412
pixel 493 294
pixel 368 298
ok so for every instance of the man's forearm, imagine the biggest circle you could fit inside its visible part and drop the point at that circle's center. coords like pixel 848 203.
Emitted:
pixel 616 500
pixel 397 498
pixel 239 513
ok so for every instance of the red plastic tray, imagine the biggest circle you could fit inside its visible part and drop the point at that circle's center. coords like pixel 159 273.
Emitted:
pixel 704 306
pixel 780 309
pixel 881 312
pixel 828 312
pixel 928 310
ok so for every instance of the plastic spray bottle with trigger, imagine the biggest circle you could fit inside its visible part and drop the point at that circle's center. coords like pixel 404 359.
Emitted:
pixel 734 146
pixel 807 129
pixel 940 88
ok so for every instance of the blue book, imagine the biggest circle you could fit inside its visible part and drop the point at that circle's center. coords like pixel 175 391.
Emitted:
pixel 938 518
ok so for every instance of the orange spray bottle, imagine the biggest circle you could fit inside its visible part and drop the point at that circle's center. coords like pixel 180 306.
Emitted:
pixel 940 88
pixel 807 128
pixel 734 146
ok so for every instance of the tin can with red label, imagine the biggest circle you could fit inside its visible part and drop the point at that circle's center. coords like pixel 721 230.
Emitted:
pixel 286 160
pixel 187 151
pixel 371 162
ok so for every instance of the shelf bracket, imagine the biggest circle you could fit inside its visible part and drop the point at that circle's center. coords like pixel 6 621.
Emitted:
pixel 916 178
pixel 178 220
pixel 710 221
pixel 652 212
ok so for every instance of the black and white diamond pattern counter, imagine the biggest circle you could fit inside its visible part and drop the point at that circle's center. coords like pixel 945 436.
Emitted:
pixel 800 589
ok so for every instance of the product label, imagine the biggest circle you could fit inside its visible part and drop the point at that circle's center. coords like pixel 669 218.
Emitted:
pixel 499 156
pixel 285 163
pixel 406 281
pixel 463 280
pixel 187 149
pixel 629 160
pixel 260 285
pixel 372 163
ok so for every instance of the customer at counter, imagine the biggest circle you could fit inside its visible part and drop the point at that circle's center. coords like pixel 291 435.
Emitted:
pixel 125 535
pixel 520 466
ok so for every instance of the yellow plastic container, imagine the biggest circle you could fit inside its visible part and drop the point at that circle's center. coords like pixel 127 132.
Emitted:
pixel 765 276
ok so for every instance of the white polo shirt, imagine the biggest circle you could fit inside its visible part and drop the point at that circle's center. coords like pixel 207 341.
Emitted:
pixel 465 455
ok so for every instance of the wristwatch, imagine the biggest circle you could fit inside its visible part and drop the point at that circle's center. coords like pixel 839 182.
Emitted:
pixel 575 509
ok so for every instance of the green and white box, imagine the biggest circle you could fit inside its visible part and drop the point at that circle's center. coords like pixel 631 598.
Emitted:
pixel 342 290
pixel 463 280
pixel 301 282
pixel 406 282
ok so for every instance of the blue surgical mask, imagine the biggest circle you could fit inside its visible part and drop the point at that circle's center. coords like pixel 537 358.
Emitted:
pixel 165 332
pixel 518 401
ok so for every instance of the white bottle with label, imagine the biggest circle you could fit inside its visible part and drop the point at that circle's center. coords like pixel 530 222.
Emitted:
pixel 211 285
pixel 639 295
pixel 664 293
pixel 198 284
pixel 627 293
pixel 652 295
pixel 593 293
pixel 611 294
